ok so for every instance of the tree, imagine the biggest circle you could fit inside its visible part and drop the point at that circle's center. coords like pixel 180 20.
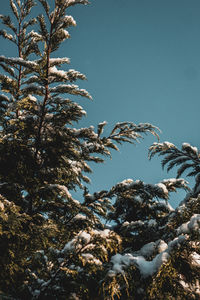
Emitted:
pixel 54 246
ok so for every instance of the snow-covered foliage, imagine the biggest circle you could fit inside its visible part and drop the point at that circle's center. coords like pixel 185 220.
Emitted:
pixel 126 242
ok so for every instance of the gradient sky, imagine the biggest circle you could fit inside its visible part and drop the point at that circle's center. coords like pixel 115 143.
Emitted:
pixel 142 61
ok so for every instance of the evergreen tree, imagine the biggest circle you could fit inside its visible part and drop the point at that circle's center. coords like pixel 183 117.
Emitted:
pixel 54 246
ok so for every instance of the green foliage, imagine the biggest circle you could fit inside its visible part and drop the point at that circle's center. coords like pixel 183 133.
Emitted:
pixel 176 157
pixel 54 246
pixel 167 281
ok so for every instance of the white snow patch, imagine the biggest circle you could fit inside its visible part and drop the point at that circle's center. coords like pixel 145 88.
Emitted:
pixel 167 205
pixel 193 224
pixel 59 61
pixel 66 33
pixel 163 187
pixel 187 145
pixel 70 20
pixel 82 238
pixel 1 206
pixel 195 259
pixel 162 246
pixel 103 233
pixel 91 259
pixel 168 144
pixel 148 268
pixel 85 237
pixel 32 98
pixel 64 189
pixel 126 182
pixel 79 217
pixel 148 249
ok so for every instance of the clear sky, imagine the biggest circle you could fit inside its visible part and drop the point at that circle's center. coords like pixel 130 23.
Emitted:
pixel 142 61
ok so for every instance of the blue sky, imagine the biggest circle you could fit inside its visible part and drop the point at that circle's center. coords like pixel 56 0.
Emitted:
pixel 142 61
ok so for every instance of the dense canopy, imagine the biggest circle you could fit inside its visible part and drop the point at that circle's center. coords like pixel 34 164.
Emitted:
pixel 123 243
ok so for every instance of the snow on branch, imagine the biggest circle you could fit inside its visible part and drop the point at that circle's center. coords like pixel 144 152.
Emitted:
pixel 129 132
pixel 69 21
pixel 32 79
pixel 70 75
pixel 173 183
pixel 8 36
pixel 19 61
pixel 70 89
pixel 32 88
pixel 176 157
pixel 192 225
pixel 160 190
pixel 35 36
pixel 63 189
pixel 138 187
pixel 59 61
pixel 146 267
pixel 122 132
pixel 87 247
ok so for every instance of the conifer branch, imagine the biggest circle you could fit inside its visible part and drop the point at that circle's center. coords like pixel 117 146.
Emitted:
pixel 46 96
pixel 176 157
